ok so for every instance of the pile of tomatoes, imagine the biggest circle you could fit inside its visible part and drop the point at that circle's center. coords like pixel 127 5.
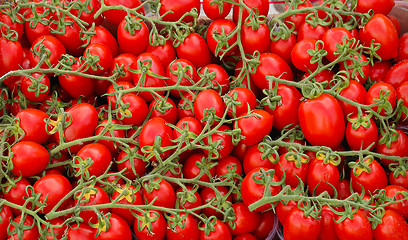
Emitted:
pixel 149 119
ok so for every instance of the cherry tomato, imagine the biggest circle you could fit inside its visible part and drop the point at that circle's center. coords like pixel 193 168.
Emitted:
pixel 216 11
pixel 397 75
pixel 134 42
pixel 396 148
pixel 294 169
pixel 161 191
pixel 254 128
pixel 188 198
pixel 6 216
pixel 25 154
pixel 401 206
pixel 331 38
pixel 219 77
pixel 118 229
pixel 103 55
pixel 379 91
pixel 360 134
pixel 299 226
pixel 184 229
pixel 137 111
pixel 354 92
pixel 259 6
pixel 156 230
pixel 255 39
pixel 370 180
pixel 194 49
pixel 181 72
pixel 392 226
pixel 245 220
pixel 253 159
pixel 116 16
pixel 205 101
pixel 165 53
pixel 220 231
pixel 222 196
pixel 76 85
pixel 222 27
pixel 30 231
pixel 283 48
pixel 307 31
pixel 17 194
pixel 131 161
pixel 224 147
pixel 322 177
pixel 191 170
pixel 90 197
pixel 127 61
pixel 357 228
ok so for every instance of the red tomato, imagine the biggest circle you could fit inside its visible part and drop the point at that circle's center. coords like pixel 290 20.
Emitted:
pixel 223 199
pixel 283 209
pixel 116 16
pixel 327 231
pixel 325 75
pixel 259 6
pixel 76 85
pixel 369 179
pixel 164 108
pixel 283 48
pixel 161 191
pixel 399 178
pixel 71 38
pixel 296 20
pixel 30 229
pixel 402 93
pixel 194 49
pixel 299 226
pixel 126 61
pixel 320 175
pixel 401 206
pixel 392 226
pixel 224 147
pixel 293 169
pixel 118 229
pixel 221 27
pixel 31 32
pixel 307 31
pixel 300 56
pixel 361 133
pixel 131 161
pixel 132 197
pixel 104 57
pixel 378 70
pixel 52 189
pixel 191 170
pixel 219 77
pixel 220 231
pixel 402 48
pixel 137 111
pixel 246 101
pixel 205 101
pixel 380 29
pixel 378 91
pixel 255 39
pixel 397 75
pixel 254 128
pixel 154 128
pixel 184 229
pixel 81 231
pixel 216 11
pixel 252 191
pixel 245 220
pixel 165 53
pixel 16 194
pixel 55 232
pixel 37 89
pixel 188 198
pixel 100 156
pixel 382 6
pixel 356 93
pixel 331 38
pixel 357 228
pixel 102 35
pixel 354 72
pixel 176 9
pixel 156 230
pixel 33 117
pixel 265 225
pixel 228 165
pixel 6 216
pixel 397 148
pixel 322 122
pixel 25 154
pixel 90 197
pixel 111 129
pixel 183 73
pixel 185 107
pixel 134 42
pixel 88 14
pixel 12 24
pixel 55 50
pixel 188 125
pixel 285 113
pixel 253 159
pixel 147 66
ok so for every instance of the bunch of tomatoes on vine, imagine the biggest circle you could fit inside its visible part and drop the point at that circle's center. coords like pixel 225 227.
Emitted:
pixel 181 119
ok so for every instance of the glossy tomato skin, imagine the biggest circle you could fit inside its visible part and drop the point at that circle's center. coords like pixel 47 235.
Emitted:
pixel 379 69
pixel 113 146
pixel 220 82
pixel 83 124
pixel 132 198
pixel 255 39
pixel 194 49
pixel 283 48
pixel 380 29
pixel 186 231
pixel 128 61
pixel 81 231
pixel 245 97
pixel 119 229
pixel 217 27
pixel 43 86
pixel 191 170
pixel 300 56
pixel 206 100
pixel 401 207
pixel 28 234
pixel 220 232
pixel 292 170
pixel 91 197
pixel 155 231
pixel 370 181
pixel 322 122
pixel 245 220
pixel 397 75
pixel 397 148
pixel 116 16
pixel 307 31
pixel 166 104
pixel 165 53
pixel 75 85
pixel 6 215
pixel 383 6
pixel 355 92
pixel 52 188
pixel 365 69
pixel 319 175
pixel 252 191
pixel 327 231
pixel 178 9
pixel 188 199
pixel 271 65
pixel 400 180
pixel 104 55
pixel 71 39
pixel 331 38
pixel 266 224
pixel 26 153
pixel 16 194
pixel 254 128
pixel 362 136
pixel 402 93
pixel 137 111
pixel 375 93
pixel 402 48
pixel 212 10
pixel 183 72
pixel 30 117
pixel 298 226
pixel 100 156
pixel 135 43
pixel 358 228
pixel 261 6
pixel 253 159
pixel 207 194
pixel 285 113
pixel 165 196
pixel 55 47
pixel 224 148
pixel 227 165
pixel 392 226
pixel 102 35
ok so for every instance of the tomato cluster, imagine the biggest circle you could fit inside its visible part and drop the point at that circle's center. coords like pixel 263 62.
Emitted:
pixel 129 118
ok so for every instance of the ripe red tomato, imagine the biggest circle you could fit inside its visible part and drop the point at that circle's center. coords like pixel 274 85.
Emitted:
pixel 327 231
pixel 271 65
pixel 88 14
pixel 299 226
pixel 216 11
pixel 71 38
pixel 219 77
pixel 307 31
pixel 137 111
pixel 402 48
pixel 127 61
pixel 223 198
pixel 259 6
pixel 30 117
pixel 379 69
pixel 25 154
pixel 133 42
pixel 194 49
pixel 81 231
pixel 378 91
pixel 6 216
pixel 131 161
pixel 37 89
pixel 156 230
pixel 30 229
pixel 227 165
pixel 380 29
pixel 55 50
pixel 191 170
pixel 224 148
pixel 402 93
pixel 52 189
pixel 370 180
pixel 102 35
pixel 90 197
pixel 208 100
pixel 16 194
pixel 253 159
pixel 401 206
pixel 220 231
pixel 265 225
pixel 331 38
pixel 255 39
pixel 397 74
pixel 176 9
pixel 164 108
pixel 293 169
pixel 184 229
pixel 165 53
pixel 361 133
pixel 254 128
pixel 221 27
pixel 76 85
pixel 246 101
pixel 283 48
pixel 300 56
pixel 320 175
pixel 181 72
pixel 132 197
pixel 161 191
pixel 355 92
pixel 112 129
pixel 245 220
pixel 296 20
pixel 392 226
pixel 357 228
pixel 99 154
pixel 103 55
pixel 188 198
pixel 382 6
pixel 252 191
pixel 116 16
pixel 396 148
pixel 118 229
pixel 322 122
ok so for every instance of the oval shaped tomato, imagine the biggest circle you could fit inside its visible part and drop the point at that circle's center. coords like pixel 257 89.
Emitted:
pixel 402 93
pixel 254 128
pixel 90 197
pixel 37 89
pixel 174 10
pixel 397 74
pixel 245 220
pixel 100 156
pixel 221 28
pixel 29 117
pixel 283 47
pixel 370 180
pixel 294 169
pixel 259 6
pixel 227 165
pixel 30 229
pixel 396 148
pixel 191 170
pixel 308 31
pixel 118 229
pixel 378 91
pixel 181 72
pixel 402 48
pixel 255 39
pixel 161 191
pixel 102 55
pixel 246 101
pixel 29 158
pixel 253 159
pixel 379 69
pixel 116 16
pixel 54 48
pixel 52 188
pixel 401 206
pixel 361 133
pixel 219 77
pixel 300 56
pixel 125 61
pixel 392 226
pixel 154 231
pixel 224 147
pixel 165 53
pixel 134 42
pixel 132 197
pixel 76 85
pixel 357 228
pixel 322 177
pixel 6 216
pixel 185 229
pixel 380 29
pixel 17 194
pixel 131 161
pixel 356 93
pixel 208 100
pixel 331 38
pixel 137 111
pixel 252 191
pixel 194 49
pixel 219 231
pixel 322 122
pixel 298 226
pixel 216 11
